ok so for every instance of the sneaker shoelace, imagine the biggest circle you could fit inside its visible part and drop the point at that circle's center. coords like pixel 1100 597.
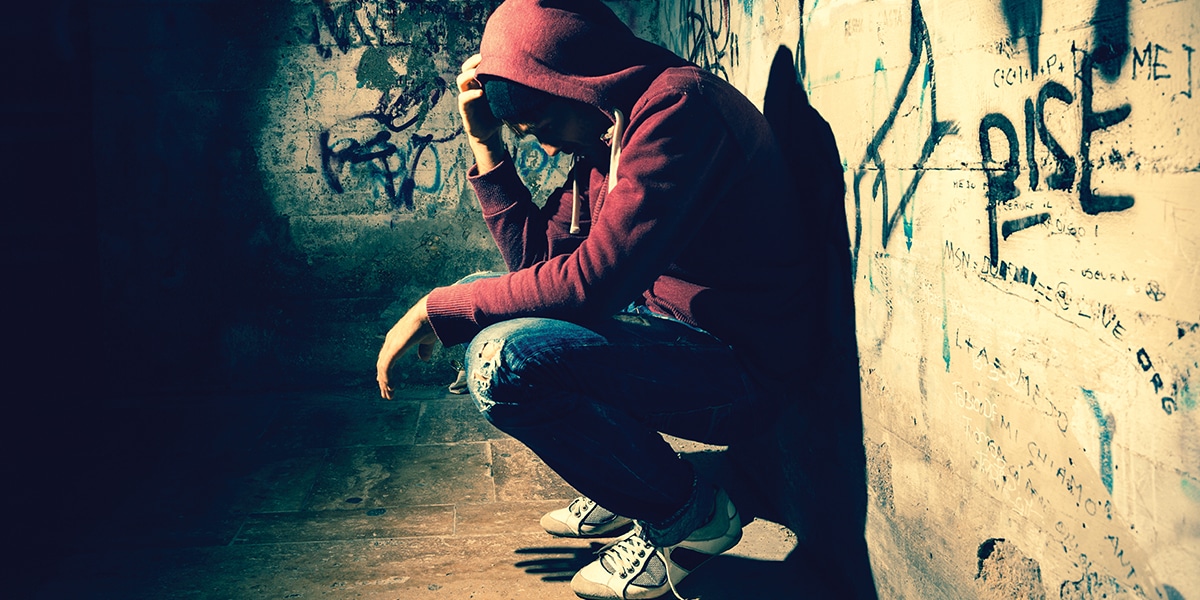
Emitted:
pixel 626 555
pixel 580 506
pixel 589 513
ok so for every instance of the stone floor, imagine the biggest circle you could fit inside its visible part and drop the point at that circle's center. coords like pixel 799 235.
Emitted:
pixel 343 495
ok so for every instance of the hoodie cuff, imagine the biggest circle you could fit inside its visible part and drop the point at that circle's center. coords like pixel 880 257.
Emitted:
pixel 498 189
pixel 451 313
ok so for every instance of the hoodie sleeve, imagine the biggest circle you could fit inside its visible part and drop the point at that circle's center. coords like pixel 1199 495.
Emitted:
pixel 678 159
pixel 524 232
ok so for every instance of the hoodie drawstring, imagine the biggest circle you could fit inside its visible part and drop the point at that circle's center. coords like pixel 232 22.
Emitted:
pixel 614 156
pixel 615 133
pixel 574 197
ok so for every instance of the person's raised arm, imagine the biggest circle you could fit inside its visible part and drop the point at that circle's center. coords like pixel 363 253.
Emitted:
pixel 672 174
pixel 483 129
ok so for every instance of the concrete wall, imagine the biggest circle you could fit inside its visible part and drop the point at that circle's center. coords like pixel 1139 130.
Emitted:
pixel 1022 193
pixel 364 157
pixel 278 181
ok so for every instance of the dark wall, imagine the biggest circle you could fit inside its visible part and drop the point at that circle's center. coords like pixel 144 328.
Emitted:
pixel 187 237
pixel 150 261
pixel 49 261
pixel 134 227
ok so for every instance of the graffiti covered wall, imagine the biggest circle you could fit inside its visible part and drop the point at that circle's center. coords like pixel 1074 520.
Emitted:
pixel 1022 183
pixel 1021 199
pixel 366 161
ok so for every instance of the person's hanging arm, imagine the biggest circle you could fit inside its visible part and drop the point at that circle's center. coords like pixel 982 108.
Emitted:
pixel 412 329
pixel 519 233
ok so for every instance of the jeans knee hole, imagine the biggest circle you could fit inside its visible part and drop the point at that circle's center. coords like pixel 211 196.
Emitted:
pixel 483 371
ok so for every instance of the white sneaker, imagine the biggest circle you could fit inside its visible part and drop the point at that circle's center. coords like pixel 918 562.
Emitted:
pixel 460 383
pixel 583 518
pixel 632 568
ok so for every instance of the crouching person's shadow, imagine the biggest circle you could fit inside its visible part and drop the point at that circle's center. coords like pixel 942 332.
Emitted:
pixel 808 472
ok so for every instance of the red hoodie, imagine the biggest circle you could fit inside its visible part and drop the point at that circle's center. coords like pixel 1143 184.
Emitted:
pixel 699 225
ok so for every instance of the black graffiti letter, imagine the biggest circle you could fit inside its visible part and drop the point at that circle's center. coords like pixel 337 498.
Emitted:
pixel 1030 159
pixel 1064 174
pixel 1189 50
pixel 1091 202
pixel 1001 183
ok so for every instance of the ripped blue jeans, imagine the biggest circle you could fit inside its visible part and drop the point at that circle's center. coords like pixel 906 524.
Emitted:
pixel 590 401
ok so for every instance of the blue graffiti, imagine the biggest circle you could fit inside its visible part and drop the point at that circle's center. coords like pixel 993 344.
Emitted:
pixel 1106 431
pixel 919 46
pixel 390 166
pixel 313 80
pixel 436 185
pixel 531 159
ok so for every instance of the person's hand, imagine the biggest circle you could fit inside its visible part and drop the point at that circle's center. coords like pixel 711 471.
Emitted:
pixel 413 329
pixel 483 129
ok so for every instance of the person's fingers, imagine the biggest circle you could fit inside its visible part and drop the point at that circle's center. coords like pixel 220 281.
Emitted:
pixel 472 62
pixel 466 81
pixel 387 355
pixel 470 95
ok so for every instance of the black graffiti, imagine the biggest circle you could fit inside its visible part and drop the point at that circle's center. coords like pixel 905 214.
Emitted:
pixel 438 24
pixel 378 148
pixel 1110 46
pixel 1143 360
pixel 1018 75
pixel 1024 19
pixel 1093 121
pixel 919 46
pixel 1155 63
pixel 1002 183
pixel 1153 56
pixel 379 151
pixel 401 109
pixel 1189 50
pixel 341 23
pixel 413 33
pixel 396 111
pixel 1154 291
pixel 1002 179
pixel 1064 175
pixel 711 40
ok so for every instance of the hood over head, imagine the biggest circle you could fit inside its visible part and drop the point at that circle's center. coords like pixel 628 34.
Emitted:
pixel 576 49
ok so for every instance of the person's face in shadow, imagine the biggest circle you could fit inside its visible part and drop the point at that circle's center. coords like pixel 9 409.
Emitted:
pixel 569 127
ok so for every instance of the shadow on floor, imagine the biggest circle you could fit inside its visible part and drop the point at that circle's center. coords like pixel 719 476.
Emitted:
pixel 556 564
pixel 722 578
pixel 739 578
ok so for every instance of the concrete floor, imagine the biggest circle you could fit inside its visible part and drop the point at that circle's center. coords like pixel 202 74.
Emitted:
pixel 344 495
